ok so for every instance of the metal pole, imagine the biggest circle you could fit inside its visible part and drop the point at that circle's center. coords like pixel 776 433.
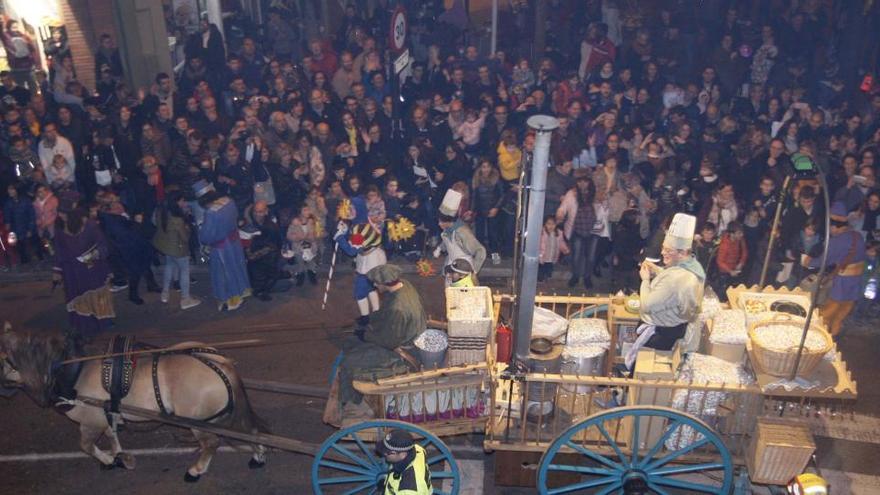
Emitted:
pixel 815 296
pixel 493 46
pixel 773 235
pixel 544 125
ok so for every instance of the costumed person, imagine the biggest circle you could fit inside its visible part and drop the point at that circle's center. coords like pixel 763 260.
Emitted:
pixel 381 349
pixel 219 232
pixel 81 264
pixel 459 273
pixel 363 241
pixel 408 470
pixel 670 296
pixel 846 263
pixel 459 240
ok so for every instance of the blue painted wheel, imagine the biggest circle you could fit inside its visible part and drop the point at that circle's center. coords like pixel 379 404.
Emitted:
pixel 621 470
pixel 348 464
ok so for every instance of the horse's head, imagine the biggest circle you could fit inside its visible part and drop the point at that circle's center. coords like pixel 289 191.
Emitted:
pixel 26 362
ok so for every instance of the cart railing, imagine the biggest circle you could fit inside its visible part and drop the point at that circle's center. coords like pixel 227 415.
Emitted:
pixel 545 405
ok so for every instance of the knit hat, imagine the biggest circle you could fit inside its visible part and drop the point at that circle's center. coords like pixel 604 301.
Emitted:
pixel 385 274
pixel 680 234
pixel 395 441
pixel 838 212
pixel 460 265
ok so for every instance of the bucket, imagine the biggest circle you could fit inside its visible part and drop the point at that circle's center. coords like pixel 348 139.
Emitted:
pixel 545 357
pixel 432 359
pixel 588 361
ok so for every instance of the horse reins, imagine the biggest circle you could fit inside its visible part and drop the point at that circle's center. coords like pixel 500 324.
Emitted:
pixel 194 353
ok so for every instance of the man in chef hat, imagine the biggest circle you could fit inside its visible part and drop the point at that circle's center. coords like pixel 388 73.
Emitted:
pixel 670 295
pixel 459 240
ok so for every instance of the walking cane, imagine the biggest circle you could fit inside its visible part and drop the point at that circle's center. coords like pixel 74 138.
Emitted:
pixel 330 275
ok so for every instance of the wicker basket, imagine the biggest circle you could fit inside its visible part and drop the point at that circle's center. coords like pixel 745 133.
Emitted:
pixel 781 363
pixel 477 327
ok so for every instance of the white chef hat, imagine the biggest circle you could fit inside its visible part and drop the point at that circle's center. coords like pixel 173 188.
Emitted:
pixel 680 234
pixel 451 201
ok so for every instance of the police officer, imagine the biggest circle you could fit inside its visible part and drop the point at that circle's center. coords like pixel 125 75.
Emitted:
pixel 408 472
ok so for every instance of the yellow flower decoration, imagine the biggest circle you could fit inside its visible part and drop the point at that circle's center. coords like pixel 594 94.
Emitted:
pixel 425 268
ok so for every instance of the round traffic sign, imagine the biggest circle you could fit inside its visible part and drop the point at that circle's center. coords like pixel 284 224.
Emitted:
pixel 398 29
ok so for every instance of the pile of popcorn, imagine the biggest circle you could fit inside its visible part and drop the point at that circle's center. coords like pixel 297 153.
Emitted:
pixel 588 331
pixel 783 337
pixel 729 327
pixel 431 340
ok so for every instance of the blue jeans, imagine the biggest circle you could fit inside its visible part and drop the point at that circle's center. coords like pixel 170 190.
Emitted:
pixel 181 266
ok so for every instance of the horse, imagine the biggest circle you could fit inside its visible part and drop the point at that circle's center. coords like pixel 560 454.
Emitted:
pixel 189 380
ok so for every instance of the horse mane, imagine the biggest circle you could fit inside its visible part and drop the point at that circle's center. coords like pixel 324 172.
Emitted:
pixel 37 353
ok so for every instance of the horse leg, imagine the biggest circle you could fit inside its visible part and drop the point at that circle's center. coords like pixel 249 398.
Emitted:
pixel 208 443
pixel 120 458
pixel 88 436
pixel 258 460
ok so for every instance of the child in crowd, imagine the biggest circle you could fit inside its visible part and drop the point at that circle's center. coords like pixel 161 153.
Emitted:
pixel 731 258
pixel 552 245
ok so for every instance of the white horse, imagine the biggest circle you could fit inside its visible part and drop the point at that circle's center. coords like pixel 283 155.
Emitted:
pixel 198 385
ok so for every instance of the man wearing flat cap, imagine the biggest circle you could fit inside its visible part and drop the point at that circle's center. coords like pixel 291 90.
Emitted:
pixel 377 348
pixel 408 471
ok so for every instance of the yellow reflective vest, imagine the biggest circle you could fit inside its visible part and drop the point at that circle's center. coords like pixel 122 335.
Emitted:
pixel 414 480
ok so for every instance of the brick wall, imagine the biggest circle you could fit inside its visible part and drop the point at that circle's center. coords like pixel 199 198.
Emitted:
pixel 86 20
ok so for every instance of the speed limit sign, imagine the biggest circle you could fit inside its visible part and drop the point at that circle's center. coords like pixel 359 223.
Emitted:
pixel 398 29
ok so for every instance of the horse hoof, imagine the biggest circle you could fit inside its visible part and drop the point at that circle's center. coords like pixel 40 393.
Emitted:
pixel 124 460
pixel 255 464
pixel 190 478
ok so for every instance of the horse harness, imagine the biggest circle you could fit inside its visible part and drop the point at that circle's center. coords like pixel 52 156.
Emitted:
pixel 195 353
pixel 117 372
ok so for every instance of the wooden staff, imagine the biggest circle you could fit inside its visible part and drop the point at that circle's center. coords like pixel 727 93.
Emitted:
pixel 218 345
pixel 773 228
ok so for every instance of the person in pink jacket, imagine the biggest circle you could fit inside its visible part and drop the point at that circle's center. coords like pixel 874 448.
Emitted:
pixel 46 211
pixel 552 245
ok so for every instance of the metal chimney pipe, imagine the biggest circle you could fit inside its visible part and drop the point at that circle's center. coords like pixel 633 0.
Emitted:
pixel 525 301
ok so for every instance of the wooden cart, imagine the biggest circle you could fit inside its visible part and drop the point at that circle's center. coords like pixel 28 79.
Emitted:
pixel 672 436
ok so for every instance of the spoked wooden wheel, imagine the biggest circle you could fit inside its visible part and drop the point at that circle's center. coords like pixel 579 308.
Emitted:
pixel 636 462
pixel 347 463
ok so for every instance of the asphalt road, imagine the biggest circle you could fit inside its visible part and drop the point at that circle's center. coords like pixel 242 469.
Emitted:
pixel 302 344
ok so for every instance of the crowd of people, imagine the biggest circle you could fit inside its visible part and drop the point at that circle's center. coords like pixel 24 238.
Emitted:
pixel 698 107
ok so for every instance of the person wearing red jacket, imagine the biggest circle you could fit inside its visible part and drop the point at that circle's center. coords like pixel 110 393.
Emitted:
pixel 731 257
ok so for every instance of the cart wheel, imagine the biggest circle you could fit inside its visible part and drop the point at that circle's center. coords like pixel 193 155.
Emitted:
pixel 646 469
pixel 348 464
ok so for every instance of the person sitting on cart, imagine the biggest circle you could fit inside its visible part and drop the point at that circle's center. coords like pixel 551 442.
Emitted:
pixel 670 296
pixel 408 470
pixel 381 345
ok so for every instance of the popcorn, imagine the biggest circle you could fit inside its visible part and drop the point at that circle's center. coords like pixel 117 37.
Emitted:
pixel 584 351
pixel 729 327
pixel 783 337
pixel 584 331
pixel 431 340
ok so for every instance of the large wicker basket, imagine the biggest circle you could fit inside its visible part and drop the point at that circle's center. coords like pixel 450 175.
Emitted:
pixel 781 363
